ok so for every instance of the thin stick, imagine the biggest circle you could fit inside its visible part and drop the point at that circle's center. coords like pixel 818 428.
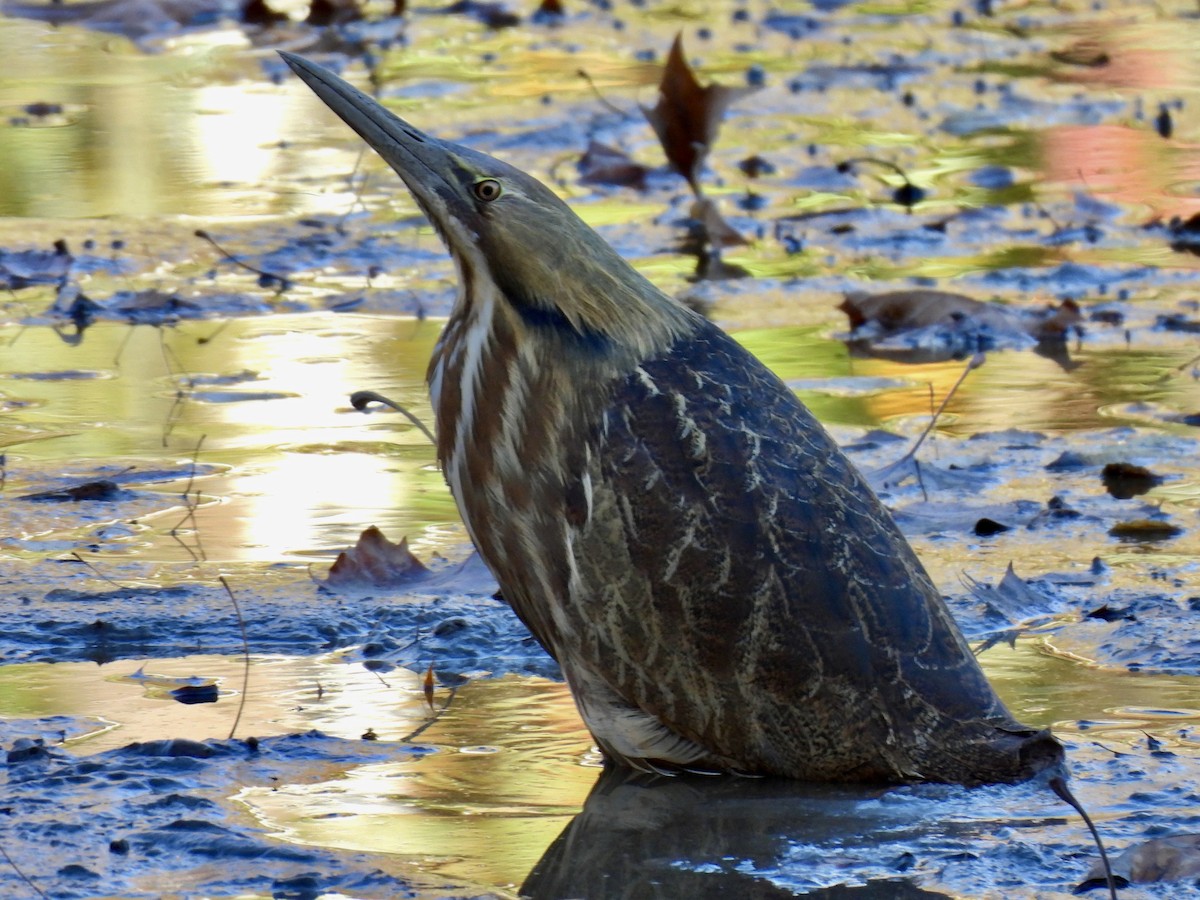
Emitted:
pixel 188 502
pixel 885 473
pixel 360 399
pixel 278 279
pixel 191 504
pixel 124 343
pixel 97 572
pixel 174 367
pixel 218 330
pixel 599 96
pixel 245 655
pixel 975 362
pixel 23 876
pixel 359 190
pixel 1190 362
pixel 845 164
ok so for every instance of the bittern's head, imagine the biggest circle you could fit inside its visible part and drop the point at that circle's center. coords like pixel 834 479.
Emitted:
pixel 509 234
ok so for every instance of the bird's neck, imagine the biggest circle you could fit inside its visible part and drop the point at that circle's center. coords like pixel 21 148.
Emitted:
pixel 514 396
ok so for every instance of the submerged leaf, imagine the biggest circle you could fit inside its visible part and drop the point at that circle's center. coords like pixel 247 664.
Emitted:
pixel 1162 859
pixel 939 320
pixel 900 310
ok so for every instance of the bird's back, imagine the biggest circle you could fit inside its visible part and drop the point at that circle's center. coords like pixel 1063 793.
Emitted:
pixel 738 581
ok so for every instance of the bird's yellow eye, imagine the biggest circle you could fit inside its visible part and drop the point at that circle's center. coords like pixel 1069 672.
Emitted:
pixel 488 189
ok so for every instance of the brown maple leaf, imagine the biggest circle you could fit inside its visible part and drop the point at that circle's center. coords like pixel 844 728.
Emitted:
pixel 688 116
pixel 375 562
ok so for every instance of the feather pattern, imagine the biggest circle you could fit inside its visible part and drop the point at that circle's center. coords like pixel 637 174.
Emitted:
pixel 764 602
pixel 719 585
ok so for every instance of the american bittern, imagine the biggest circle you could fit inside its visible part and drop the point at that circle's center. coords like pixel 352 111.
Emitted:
pixel 720 586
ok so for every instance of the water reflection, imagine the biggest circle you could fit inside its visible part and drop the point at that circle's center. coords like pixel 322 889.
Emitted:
pixel 291 469
pixel 298 471
pixel 503 791
pixel 648 837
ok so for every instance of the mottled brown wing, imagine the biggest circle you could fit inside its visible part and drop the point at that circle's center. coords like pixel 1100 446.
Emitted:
pixel 765 604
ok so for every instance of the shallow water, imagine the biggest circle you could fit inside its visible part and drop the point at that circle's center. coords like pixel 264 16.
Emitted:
pixel 503 765
pixel 223 420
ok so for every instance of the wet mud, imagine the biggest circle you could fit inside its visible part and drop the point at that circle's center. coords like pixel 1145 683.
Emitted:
pixel 200 266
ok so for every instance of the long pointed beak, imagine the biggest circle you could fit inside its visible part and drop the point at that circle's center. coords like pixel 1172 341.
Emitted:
pixel 426 164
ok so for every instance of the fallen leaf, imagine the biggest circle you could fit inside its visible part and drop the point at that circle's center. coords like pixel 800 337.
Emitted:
pixel 986 527
pixel 602 164
pixel 1013 598
pixel 1163 124
pixel 1172 858
pixel 1124 480
pixel 89 490
pixel 375 562
pixel 1108 613
pixel 191 694
pixel 953 319
pixel 908 195
pixel 1145 530
pixel 919 308
pixel 687 116
pixel 1178 322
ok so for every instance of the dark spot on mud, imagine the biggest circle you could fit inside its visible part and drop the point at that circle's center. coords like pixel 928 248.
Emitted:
pixel 1148 530
pixel 105 491
pixel 1124 480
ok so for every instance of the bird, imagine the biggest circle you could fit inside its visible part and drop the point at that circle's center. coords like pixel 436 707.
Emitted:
pixel 721 588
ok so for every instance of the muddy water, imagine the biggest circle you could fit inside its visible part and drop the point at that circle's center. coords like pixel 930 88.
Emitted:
pixel 255 412
pixel 223 422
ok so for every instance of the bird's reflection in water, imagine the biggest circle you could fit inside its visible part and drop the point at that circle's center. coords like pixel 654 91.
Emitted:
pixel 640 837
